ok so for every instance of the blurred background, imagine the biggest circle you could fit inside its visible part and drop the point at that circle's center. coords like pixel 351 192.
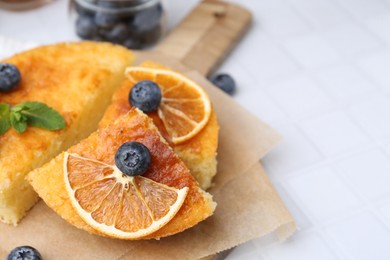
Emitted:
pixel 318 71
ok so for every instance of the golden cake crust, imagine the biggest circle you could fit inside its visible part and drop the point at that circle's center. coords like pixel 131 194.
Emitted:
pixel 73 78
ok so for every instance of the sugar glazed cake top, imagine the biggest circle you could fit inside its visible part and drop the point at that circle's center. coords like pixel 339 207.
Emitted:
pixel 77 80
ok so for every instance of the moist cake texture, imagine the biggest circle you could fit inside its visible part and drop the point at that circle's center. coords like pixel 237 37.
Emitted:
pixel 77 80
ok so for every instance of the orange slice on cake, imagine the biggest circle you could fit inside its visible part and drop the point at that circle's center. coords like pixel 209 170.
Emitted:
pixel 185 107
pixel 84 186
pixel 116 204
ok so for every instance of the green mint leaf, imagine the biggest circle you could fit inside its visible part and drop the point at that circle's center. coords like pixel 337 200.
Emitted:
pixel 18 121
pixel 17 108
pixel 5 123
pixel 17 115
pixel 40 115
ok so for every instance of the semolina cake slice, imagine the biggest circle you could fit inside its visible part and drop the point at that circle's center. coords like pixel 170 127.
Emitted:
pixel 106 201
pixel 198 153
pixel 77 80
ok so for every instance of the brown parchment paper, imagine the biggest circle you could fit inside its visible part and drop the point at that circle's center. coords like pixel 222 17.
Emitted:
pixel 248 206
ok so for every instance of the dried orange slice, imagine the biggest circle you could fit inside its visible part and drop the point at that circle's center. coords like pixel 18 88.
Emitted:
pixel 185 107
pixel 116 204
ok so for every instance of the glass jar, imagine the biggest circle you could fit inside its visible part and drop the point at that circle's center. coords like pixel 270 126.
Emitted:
pixel 136 24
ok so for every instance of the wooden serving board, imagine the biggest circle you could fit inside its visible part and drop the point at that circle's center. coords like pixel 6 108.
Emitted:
pixel 204 38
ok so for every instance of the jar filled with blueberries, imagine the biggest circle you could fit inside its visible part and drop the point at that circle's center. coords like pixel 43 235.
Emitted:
pixel 135 24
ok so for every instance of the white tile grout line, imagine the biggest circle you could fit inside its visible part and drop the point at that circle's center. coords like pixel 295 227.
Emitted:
pixel 375 143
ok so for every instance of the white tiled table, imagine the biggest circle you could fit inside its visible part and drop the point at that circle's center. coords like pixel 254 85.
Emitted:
pixel 319 72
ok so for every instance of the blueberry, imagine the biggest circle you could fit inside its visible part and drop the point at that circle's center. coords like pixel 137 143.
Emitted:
pixel 24 253
pixel 132 158
pixel 85 27
pixel 9 77
pixel 133 43
pixel 224 82
pixel 147 19
pixel 146 95
pixel 118 33
pixel 150 37
pixel 105 20
pixel 97 38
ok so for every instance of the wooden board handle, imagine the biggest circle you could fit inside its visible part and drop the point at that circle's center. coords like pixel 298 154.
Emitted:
pixel 207 35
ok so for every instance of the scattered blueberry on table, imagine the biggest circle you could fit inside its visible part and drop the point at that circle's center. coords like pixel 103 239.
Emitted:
pixel 107 21
pixel 24 253
pixel 132 158
pixel 9 77
pixel 225 82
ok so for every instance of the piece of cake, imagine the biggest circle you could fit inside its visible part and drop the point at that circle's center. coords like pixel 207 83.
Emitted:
pixel 199 152
pixel 77 80
pixel 84 186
